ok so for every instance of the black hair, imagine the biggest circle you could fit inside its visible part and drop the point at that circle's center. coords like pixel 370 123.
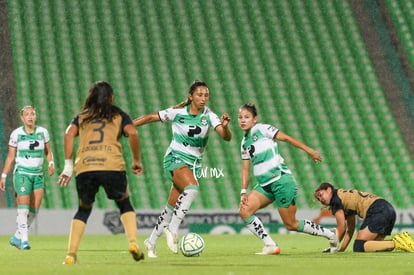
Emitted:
pixel 250 107
pixel 193 87
pixel 323 186
pixel 98 103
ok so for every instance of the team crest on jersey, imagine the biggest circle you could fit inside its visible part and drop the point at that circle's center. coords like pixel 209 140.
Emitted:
pixel 39 136
pixel 254 137
pixel 203 121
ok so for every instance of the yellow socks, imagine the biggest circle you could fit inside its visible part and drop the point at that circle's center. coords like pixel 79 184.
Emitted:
pixel 77 228
pixel 129 220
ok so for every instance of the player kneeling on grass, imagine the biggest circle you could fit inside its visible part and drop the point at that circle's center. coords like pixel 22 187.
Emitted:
pixel 275 180
pixel 378 214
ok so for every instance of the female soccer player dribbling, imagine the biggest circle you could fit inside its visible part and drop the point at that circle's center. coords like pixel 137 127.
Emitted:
pixel 275 180
pixel 191 122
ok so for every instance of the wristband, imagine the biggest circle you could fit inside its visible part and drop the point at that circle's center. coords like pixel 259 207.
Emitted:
pixel 3 175
pixel 243 191
pixel 68 168
pixel 51 163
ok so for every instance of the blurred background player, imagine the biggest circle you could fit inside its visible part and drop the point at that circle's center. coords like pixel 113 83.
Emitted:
pixel 378 214
pixel 275 180
pixel 28 145
pixel 99 162
pixel 191 123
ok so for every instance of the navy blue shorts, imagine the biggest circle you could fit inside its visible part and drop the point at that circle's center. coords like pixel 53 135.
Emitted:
pixel 380 218
pixel 113 182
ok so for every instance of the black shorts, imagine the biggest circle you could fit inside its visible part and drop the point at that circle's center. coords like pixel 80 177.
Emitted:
pixel 380 218
pixel 113 182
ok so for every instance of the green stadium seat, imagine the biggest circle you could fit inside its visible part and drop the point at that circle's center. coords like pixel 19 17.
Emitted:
pixel 303 63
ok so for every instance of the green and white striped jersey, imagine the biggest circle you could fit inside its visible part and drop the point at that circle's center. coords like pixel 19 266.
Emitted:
pixel 260 147
pixel 190 133
pixel 29 149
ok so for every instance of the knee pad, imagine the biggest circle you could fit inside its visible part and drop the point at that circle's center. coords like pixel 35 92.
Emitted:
pixel 359 246
pixel 83 214
pixel 124 206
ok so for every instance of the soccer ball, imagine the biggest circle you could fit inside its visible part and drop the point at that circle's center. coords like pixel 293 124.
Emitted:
pixel 191 244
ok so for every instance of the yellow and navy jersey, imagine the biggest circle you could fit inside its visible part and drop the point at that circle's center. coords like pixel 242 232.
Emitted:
pixel 352 201
pixel 99 148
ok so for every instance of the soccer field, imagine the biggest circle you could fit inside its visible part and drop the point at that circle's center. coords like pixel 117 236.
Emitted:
pixel 223 254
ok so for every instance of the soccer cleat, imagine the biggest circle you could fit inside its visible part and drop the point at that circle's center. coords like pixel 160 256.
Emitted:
pixel 402 244
pixel 25 246
pixel 407 239
pixel 172 240
pixel 136 252
pixel 150 248
pixel 269 250
pixel 69 260
pixel 15 242
pixel 333 241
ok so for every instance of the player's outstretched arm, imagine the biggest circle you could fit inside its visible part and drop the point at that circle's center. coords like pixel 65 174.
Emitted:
pixel 315 155
pixel 146 119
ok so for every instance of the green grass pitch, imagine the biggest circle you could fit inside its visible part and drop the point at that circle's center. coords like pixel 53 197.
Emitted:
pixel 223 254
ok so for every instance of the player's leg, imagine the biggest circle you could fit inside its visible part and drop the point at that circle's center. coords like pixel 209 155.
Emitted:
pixel 20 237
pixel 378 223
pixel 163 220
pixel 285 199
pixel 116 188
pixel 185 182
pixel 35 199
pixel 86 186
pixel 257 200
pixel 77 229
pixel 23 188
pixel 33 211
pixel 367 241
pixel 129 221
pixel 288 216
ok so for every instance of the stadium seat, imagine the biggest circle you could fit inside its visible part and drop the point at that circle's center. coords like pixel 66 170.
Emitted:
pixel 303 63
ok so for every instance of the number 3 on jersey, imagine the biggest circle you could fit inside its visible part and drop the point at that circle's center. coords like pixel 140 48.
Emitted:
pixel 100 125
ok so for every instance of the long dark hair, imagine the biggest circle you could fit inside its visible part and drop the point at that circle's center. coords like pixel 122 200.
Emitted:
pixel 98 103
pixel 193 87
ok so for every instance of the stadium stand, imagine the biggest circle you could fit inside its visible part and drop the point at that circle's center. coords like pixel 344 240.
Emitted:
pixel 303 63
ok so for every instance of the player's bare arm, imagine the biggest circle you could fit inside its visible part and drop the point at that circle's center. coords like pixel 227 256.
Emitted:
pixel 146 119
pixel 315 155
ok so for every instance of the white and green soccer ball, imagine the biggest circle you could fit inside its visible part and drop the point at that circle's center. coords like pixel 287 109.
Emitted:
pixel 191 244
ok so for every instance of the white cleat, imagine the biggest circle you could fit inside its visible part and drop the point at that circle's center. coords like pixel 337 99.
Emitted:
pixel 333 241
pixel 172 240
pixel 269 250
pixel 150 248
